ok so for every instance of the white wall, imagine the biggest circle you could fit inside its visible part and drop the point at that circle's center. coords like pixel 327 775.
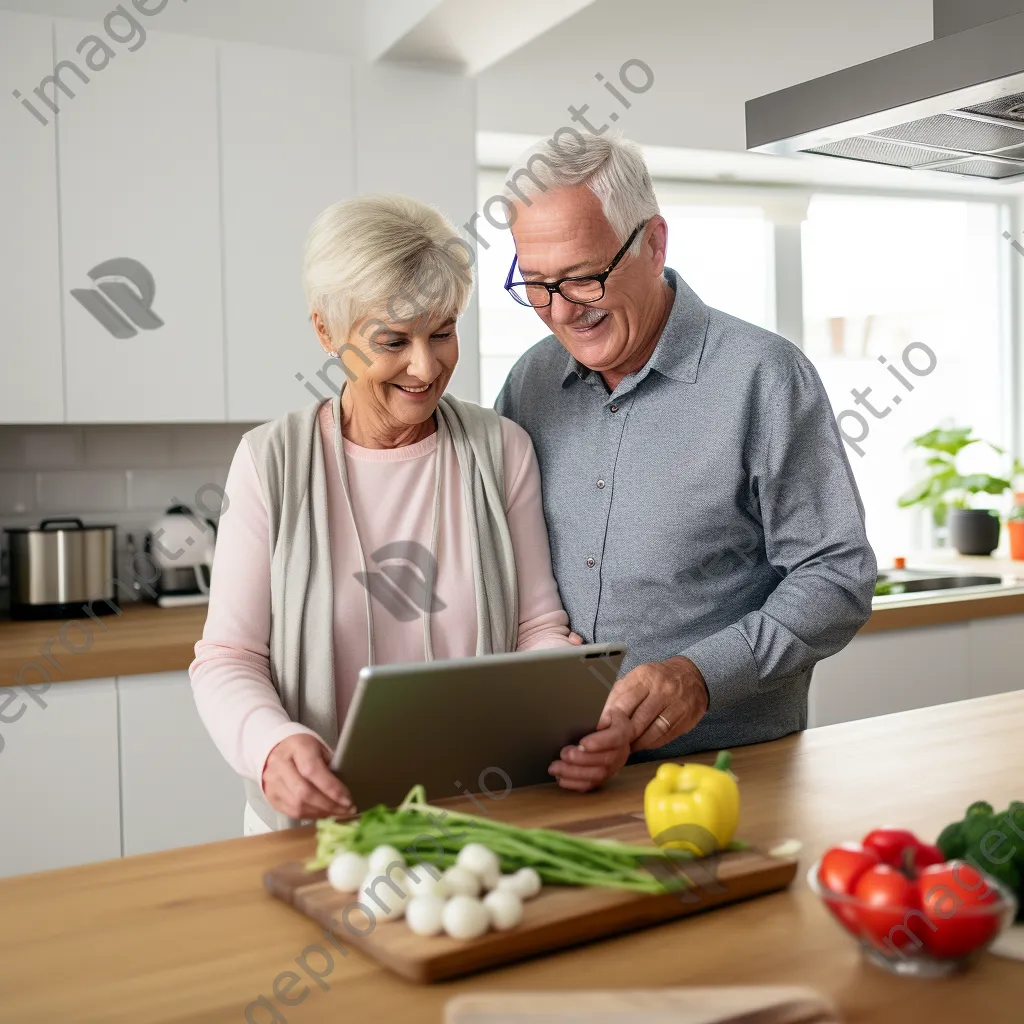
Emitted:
pixel 708 58
pixel 326 26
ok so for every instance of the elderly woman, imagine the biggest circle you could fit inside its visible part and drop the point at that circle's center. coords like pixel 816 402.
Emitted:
pixel 389 524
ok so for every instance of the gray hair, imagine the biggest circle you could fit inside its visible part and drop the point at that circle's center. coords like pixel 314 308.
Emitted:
pixel 613 169
pixel 383 255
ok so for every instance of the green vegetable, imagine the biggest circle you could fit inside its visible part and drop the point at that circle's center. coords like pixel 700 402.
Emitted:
pixel 976 839
pixel 951 841
pixel 434 835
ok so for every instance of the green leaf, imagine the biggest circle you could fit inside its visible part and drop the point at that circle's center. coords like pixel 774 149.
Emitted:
pixel 921 490
pixel 950 440
pixel 984 483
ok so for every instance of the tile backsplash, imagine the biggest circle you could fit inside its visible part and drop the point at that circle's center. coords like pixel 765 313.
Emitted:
pixel 121 475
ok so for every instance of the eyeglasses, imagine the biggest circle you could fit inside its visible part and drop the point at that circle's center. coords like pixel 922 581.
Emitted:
pixel 573 289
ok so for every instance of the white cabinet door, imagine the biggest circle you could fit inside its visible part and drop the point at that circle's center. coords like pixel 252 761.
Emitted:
pixel 31 370
pixel 140 226
pixel 416 134
pixel 287 153
pixel 997 655
pixel 58 776
pixel 898 670
pixel 176 788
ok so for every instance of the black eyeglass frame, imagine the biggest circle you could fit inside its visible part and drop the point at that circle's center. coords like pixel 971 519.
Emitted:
pixel 556 286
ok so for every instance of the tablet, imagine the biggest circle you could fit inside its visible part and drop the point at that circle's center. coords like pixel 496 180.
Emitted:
pixel 477 725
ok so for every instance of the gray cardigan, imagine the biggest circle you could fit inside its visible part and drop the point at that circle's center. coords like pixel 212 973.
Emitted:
pixel 289 459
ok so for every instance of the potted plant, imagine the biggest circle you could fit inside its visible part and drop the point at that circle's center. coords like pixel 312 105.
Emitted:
pixel 1015 527
pixel 948 493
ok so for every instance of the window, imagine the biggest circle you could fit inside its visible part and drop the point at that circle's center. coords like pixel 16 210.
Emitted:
pixel 911 286
pixel 869 285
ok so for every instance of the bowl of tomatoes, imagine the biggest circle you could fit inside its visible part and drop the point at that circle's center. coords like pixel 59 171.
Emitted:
pixel 912 912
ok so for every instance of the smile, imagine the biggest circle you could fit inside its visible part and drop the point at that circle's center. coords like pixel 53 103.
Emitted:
pixel 413 391
pixel 587 327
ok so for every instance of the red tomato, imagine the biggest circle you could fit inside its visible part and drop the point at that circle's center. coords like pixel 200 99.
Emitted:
pixel 889 844
pixel 961 907
pixel 842 865
pixel 888 901
pixel 838 872
pixel 926 855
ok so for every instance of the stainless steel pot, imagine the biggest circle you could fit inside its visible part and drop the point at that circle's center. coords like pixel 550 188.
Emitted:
pixel 63 569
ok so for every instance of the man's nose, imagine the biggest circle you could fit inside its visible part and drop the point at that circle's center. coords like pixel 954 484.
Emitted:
pixel 562 310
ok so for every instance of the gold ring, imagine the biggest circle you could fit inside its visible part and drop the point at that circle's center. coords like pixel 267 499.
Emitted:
pixel 665 722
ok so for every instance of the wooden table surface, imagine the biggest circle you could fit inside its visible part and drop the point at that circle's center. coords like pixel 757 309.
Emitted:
pixel 189 936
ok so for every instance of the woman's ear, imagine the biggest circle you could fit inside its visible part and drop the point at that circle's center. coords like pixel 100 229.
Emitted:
pixel 322 334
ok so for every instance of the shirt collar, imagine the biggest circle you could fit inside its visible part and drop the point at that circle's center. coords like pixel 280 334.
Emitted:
pixel 679 348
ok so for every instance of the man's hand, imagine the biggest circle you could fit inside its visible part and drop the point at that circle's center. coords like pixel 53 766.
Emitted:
pixel 673 689
pixel 597 758
pixel 297 781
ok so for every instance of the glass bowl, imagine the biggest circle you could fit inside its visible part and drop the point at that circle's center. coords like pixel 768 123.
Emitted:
pixel 909 944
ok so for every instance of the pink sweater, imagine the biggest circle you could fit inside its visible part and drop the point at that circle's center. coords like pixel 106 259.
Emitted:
pixel 393 498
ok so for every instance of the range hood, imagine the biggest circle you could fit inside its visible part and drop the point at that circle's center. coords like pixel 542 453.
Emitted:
pixel 951 106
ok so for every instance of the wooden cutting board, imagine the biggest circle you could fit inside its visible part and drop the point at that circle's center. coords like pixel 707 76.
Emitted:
pixel 560 916
pixel 734 1005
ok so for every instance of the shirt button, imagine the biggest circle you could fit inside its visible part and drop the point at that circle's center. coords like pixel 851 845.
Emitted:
pixel 600 483
pixel 591 563
pixel 615 408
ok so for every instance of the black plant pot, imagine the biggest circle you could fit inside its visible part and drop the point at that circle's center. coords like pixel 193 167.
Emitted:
pixel 974 531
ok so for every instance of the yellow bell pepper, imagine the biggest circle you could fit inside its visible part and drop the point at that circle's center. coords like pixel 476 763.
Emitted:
pixel 693 807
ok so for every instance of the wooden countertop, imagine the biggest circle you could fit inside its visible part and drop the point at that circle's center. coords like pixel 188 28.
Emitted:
pixel 190 937
pixel 143 638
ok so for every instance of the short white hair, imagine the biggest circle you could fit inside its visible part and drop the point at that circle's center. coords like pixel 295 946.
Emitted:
pixel 613 169
pixel 384 255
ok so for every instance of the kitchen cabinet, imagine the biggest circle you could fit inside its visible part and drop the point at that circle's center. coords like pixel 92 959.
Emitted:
pixel 59 776
pixel 139 185
pixel 416 134
pixel 287 153
pixel 176 789
pixel 32 382
pixel 902 669
pixel 996 654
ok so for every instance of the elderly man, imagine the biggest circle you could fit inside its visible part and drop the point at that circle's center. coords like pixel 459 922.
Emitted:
pixel 699 502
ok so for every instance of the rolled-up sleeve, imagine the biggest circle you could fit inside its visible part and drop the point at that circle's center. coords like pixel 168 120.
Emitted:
pixel 813 523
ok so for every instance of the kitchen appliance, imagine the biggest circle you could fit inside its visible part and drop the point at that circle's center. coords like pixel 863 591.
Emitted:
pixel 951 106
pixel 180 545
pixel 62 570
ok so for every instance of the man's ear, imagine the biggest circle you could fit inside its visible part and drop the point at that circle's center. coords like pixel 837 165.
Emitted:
pixel 656 242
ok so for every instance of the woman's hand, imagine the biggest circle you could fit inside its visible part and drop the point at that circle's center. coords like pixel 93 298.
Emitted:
pixel 297 781
pixel 598 757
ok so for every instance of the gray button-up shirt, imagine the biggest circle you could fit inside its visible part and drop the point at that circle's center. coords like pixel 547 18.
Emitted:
pixel 705 507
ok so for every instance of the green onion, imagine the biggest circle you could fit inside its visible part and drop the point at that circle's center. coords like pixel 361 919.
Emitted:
pixel 558 858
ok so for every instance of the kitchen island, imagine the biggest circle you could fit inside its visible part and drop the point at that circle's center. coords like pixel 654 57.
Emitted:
pixel 191 936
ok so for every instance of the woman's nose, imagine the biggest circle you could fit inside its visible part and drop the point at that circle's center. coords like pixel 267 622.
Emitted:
pixel 423 364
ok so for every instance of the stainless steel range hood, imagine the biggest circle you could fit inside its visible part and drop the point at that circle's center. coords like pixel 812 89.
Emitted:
pixel 951 106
